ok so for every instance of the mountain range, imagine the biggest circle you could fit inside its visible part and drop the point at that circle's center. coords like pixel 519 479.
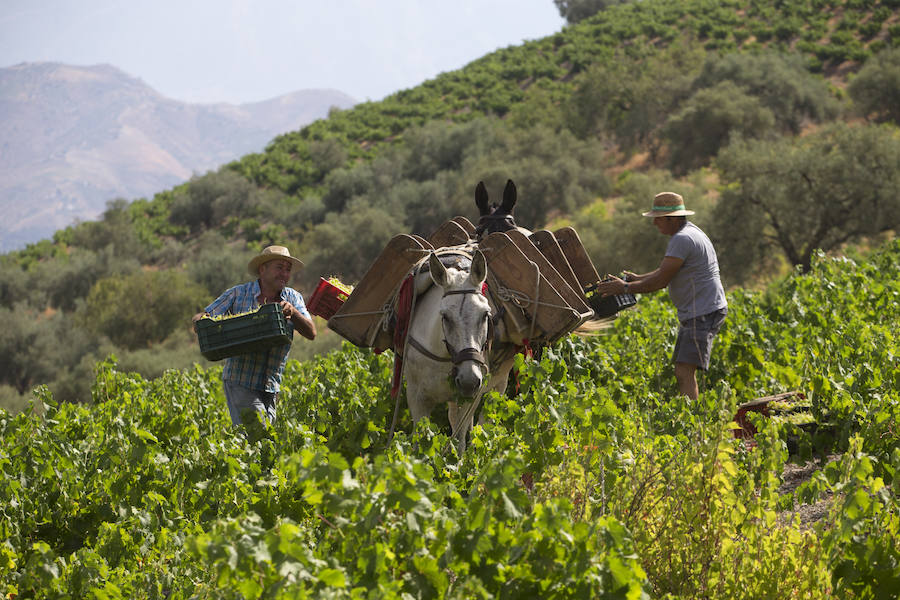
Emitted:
pixel 72 138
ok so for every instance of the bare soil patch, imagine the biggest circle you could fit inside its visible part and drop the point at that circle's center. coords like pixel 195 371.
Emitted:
pixel 795 475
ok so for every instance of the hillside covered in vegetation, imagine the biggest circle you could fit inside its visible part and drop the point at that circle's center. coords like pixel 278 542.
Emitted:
pixel 776 120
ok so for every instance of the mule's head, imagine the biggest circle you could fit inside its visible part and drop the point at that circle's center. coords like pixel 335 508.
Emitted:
pixel 465 321
pixel 493 218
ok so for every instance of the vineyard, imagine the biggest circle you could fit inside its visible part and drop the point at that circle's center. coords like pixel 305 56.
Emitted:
pixel 595 481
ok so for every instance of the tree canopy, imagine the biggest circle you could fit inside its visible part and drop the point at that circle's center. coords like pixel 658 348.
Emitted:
pixel 876 88
pixel 574 11
pixel 794 196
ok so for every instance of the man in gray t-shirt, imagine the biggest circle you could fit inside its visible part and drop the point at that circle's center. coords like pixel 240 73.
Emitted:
pixel 690 270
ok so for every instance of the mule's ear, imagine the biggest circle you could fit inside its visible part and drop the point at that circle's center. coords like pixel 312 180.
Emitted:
pixel 481 199
pixel 479 269
pixel 509 197
pixel 438 271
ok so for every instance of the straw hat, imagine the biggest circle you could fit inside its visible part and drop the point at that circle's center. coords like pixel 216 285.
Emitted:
pixel 668 204
pixel 271 253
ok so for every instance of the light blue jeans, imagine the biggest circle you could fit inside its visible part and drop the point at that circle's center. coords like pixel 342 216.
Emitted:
pixel 241 399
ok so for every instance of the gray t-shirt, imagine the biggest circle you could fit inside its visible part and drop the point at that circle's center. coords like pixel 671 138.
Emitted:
pixel 696 288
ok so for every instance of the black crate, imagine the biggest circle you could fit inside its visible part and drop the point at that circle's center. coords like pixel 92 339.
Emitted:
pixel 252 332
pixel 608 306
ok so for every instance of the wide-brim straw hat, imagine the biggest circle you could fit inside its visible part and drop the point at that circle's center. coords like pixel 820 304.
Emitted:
pixel 668 204
pixel 271 253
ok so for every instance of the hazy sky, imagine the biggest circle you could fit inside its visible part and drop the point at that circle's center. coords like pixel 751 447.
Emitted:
pixel 249 50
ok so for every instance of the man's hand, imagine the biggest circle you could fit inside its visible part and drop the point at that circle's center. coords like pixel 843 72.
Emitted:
pixel 613 287
pixel 303 325
pixel 196 318
pixel 287 309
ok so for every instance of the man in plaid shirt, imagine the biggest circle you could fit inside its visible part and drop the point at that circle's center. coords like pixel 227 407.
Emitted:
pixel 252 380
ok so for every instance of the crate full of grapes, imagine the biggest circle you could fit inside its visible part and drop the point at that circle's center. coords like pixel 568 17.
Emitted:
pixel 233 335
pixel 328 297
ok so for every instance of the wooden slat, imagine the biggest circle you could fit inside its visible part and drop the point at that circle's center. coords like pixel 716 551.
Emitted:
pixel 552 316
pixel 450 233
pixel 549 247
pixel 359 319
pixel 425 243
pixel 574 298
pixel 465 224
pixel 578 258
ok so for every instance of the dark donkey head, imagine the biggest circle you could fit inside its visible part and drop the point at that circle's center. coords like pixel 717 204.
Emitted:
pixel 493 218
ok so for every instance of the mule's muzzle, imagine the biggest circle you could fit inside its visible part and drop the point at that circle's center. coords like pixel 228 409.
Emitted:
pixel 468 386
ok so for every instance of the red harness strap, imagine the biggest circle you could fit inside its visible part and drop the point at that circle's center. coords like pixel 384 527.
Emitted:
pixel 404 306
pixel 528 353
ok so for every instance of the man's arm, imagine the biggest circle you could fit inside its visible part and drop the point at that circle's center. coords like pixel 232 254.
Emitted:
pixel 644 284
pixel 303 324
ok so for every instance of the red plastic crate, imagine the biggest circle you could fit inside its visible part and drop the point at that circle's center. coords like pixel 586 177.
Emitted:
pixel 761 406
pixel 326 299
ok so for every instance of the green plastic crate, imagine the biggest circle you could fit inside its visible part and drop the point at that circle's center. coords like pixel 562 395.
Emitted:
pixel 253 332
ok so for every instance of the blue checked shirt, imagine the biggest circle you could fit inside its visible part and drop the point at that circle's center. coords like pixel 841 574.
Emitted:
pixel 260 370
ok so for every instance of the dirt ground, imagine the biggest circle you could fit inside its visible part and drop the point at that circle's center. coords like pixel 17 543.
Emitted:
pixel 793 476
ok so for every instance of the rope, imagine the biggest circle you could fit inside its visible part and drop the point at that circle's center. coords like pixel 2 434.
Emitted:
pixel 522 300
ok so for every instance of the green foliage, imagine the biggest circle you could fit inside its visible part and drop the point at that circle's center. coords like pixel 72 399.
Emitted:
pixel 216 265
pixel 24 339
pixel 597 480
pixel 631 95
pixel 345 246
pixel 706 122
pixel 795 196
pixel 13 282
pixel 141 308
pixel 574 11
pixel 114 230
pixel 211 199
pixel 781 82
pixel 62 283
pixel 876 88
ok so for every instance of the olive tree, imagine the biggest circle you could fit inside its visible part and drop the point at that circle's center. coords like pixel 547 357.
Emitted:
pixel 793 196
pixel 208 200
pixel 781 82
pixel 750 95
pixel 345 244
pixel 708 119
pixel 139 309
pixel 876 88
pixel 574 11
pixel 629 97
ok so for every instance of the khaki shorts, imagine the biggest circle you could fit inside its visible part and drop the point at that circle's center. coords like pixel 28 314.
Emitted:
pixel 695 338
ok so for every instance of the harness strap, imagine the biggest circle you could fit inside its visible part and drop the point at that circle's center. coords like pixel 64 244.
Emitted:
pixel 473 354
pixel 491 223
pixel 423 350
pixel 405 302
